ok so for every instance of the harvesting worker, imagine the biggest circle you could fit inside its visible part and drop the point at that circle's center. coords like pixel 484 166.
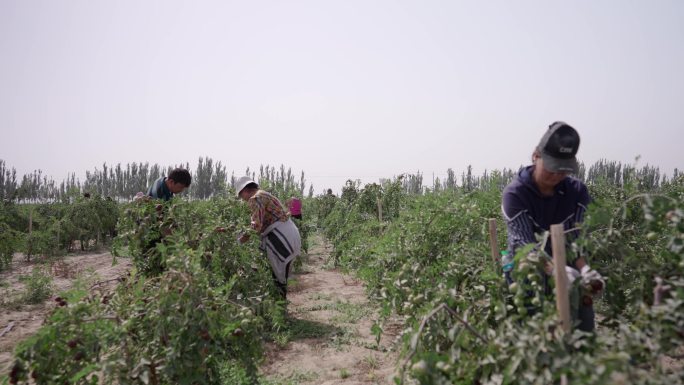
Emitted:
pixel 163 188
pixel 294 205
pixel 280 239
pixel 544 194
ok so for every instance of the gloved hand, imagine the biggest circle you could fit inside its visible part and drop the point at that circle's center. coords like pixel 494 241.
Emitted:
pixel 242 237
pixel 572 274
pixel 592 279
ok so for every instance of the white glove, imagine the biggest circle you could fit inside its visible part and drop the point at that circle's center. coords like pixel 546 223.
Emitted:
pixel 592 278
pixel 572 274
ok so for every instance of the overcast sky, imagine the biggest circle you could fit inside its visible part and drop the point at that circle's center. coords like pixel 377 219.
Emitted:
pixel 339 89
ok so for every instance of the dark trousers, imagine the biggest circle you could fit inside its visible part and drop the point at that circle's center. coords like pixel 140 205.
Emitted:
pixel 586 316
pixel 282 287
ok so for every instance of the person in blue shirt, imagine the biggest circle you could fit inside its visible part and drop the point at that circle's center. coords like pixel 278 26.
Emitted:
pixel 544 194
pixel 163 188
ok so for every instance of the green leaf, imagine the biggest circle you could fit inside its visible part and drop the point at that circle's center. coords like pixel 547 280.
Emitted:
pixel 84 372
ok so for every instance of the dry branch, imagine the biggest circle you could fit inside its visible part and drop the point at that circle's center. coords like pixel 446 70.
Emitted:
pixel 7 329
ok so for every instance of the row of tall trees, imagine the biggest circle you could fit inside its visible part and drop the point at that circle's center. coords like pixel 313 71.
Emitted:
pixel 281 182
pixel 210 178
pixel 645 178
pixel 122 182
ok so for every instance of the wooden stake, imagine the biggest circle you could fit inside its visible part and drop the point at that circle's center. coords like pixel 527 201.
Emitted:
pixel 493 242
pixel 379 210
pixel 562 299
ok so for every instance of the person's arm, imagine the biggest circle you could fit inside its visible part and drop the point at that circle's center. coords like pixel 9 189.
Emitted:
pixel 589 276
pixel 519 224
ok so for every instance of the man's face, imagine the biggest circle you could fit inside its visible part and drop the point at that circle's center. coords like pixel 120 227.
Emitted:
pixel 175 187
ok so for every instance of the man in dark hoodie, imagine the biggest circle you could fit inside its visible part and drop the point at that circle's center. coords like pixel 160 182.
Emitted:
pixel 544 194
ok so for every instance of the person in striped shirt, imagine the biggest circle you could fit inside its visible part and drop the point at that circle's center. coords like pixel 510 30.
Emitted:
pixel 544 194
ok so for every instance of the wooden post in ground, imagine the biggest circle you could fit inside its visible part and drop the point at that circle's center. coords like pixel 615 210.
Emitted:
pixel 379 210
pixel 493 242
pixel 562 299
pixel 29 241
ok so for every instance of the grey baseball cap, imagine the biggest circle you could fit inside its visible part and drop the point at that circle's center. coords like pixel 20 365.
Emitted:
pixel 558 148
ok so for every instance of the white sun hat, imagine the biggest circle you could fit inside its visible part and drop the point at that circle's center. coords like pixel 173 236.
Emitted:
pixel 242 183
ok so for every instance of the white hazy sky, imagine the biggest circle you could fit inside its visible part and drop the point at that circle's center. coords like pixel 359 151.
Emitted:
pixel 339 89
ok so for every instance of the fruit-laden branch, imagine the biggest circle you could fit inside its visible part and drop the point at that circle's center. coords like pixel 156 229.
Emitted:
pixel 442 306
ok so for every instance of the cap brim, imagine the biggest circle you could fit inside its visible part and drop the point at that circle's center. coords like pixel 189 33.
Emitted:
pixel 560 165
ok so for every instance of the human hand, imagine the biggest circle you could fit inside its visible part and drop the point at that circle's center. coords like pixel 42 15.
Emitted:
pixel 548 267
pixel 242 238
pixel 659 291
pixel 592 279
pixel 572 274
pixel 589 278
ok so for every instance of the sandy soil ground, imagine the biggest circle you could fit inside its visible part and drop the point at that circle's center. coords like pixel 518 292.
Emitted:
pixel 329 341
pixel 331 321
pixel 19 320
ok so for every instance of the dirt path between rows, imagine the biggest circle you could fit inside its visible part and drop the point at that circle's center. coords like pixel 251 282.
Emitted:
pixel 19 320
pixel 329 340
pixel 330 321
